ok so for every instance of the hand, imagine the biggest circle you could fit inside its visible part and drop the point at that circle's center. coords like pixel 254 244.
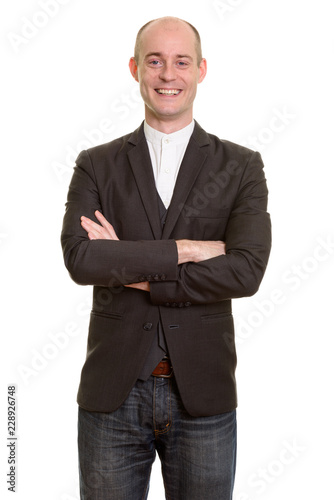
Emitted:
pixel 107 232
pixel 142 285
pixel 197 251
pixel 97 232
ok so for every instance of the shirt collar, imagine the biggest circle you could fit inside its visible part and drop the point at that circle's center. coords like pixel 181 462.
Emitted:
pixel 180 136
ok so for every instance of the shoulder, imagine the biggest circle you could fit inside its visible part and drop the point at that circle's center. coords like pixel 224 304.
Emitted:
pixel 116 148
pixel 110 149
pixel 222 147
pixel 231 147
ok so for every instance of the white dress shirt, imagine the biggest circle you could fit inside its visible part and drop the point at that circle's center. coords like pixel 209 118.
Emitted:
pixel 167 151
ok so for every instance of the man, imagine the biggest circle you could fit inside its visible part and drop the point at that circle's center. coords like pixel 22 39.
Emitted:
pixel 168 223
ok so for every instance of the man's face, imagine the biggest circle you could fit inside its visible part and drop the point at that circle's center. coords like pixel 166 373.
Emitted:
pixel 168 73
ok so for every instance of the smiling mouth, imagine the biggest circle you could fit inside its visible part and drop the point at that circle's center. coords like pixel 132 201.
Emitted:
pixel 168 91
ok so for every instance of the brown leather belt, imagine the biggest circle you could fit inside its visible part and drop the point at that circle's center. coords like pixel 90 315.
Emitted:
pixel 164 369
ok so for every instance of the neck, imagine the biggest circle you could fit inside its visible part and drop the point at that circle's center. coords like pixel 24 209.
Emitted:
pixel 167 126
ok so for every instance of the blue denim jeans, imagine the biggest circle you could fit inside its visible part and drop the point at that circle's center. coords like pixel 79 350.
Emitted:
pixel 117 450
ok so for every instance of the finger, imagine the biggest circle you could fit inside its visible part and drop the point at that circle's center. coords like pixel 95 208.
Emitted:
pixel 94 230
pixel 90 225
pixel 106 225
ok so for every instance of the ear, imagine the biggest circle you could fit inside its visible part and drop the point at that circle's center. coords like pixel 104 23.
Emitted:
pixel 133 68
pixel 202 70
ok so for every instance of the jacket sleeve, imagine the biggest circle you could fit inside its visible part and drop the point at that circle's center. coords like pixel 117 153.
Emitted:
pixel 106 262
pixel 248 242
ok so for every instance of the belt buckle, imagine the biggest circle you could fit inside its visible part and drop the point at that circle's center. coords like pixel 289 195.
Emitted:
pixel 169 374
pixel 165 376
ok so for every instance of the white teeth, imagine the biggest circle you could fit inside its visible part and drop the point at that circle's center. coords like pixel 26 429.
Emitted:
pixel 168 91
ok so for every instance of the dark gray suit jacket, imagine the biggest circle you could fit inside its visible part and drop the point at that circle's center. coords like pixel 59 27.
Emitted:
pixel 220 194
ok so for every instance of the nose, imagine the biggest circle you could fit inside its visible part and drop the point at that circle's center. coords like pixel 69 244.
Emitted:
pixel 168 72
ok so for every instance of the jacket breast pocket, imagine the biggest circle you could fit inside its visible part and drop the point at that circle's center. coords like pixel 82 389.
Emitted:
pixel 206 212
pixel 206 223
pixel 206 228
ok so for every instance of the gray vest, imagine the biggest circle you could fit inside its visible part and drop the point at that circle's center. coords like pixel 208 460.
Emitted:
pixel 158 348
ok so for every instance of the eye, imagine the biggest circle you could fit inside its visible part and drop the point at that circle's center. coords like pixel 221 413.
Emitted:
pixel 182 64
pixel 154 62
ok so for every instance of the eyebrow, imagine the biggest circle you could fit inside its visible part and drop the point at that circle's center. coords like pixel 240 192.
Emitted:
pixel 159 54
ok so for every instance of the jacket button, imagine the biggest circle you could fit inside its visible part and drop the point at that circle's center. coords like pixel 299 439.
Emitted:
pixel 147 326
pixel 187 304
pixel 163 277
pixel 167 304
pixel 142 278
pixel 174 304
pixel 149 277
pixel 156 277
pixel 180 304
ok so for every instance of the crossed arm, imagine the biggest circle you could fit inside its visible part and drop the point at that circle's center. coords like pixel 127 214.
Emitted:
pixel 199 272
pixel 188 250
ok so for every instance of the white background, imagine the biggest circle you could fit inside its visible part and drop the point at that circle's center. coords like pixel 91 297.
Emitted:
pixel 266 58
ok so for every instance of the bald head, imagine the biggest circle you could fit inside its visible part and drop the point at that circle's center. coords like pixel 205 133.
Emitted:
pixel 169 23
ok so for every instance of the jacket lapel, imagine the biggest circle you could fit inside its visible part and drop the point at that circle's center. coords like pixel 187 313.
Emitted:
pixel 141 165
pixel 190 168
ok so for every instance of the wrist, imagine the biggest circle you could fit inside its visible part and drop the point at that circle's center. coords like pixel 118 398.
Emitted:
pixel 186 250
